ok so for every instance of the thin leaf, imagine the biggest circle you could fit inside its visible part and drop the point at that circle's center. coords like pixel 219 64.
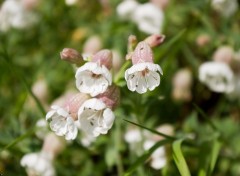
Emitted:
pixel 153 131
pixel 145 156
pixel 214 155
pixel 179 158
pixel 20 138
pixel 13 69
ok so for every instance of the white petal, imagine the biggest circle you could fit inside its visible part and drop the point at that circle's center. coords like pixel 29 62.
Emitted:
pixel 141 85
pixel 50 114
pixel 153 80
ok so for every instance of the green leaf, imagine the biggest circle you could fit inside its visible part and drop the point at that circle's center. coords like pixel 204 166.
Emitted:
pixel 214 155
pixel 153 131
pixel 179 158
pixel 145 156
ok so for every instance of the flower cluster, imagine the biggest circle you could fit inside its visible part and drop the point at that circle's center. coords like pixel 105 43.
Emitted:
pixel 91 110
pixel 222 74
pixel 18 14
pixel 40 163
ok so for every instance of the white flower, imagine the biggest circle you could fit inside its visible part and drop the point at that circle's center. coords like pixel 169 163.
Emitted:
pixel 93 79
pixel 143 76
pixel 38 164
pixel 42 128
pixel 149 18
pixel 226 7
pixel 133 136
pixel 127 8
pixel 62 123
pixel 158 157
pixel 95 118
pixel 217 76
pixel 70 2
pixel 14 14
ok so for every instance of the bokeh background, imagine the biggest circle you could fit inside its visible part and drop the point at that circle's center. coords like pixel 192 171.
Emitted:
pixel 194 30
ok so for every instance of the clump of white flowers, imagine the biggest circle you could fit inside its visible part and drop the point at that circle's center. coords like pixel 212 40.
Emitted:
pixel 222 74
pixel 91 110
pixel 17 14
pixel 148 17
pixel 41 163
pixel 225 7
pixel 144 74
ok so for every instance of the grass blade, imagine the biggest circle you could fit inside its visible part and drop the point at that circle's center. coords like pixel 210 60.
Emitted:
pixel 145 156
pixel 179 158
pixel 153 131
pixel 214 155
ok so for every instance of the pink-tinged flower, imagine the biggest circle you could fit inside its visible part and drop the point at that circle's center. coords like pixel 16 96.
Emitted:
pixel 182 82
pixel 63 119
pixel 224 54
pixel 95 117
pixel 71 55
pixel 94 77
pixel 144 74
pixel 218 76
pixel 92 45
pixel 38 164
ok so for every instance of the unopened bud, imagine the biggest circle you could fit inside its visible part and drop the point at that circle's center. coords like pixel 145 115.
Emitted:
pixel 111 97
pixel 132 41
pixel 103 57
pixel 53 144
pixel 92 45
pixel 142 53
pixel 71 55
pixel 155 40
pixel 73 104
pixel 224 54
pixel 203 40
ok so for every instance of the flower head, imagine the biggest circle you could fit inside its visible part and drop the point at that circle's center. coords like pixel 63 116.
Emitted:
pixel 143 75
pixel 126 9
pixel 63 119
pixel 95 117
pixel 217 76
pixel 38 164
pixel 225 7
pixel 94 77
pixel 149 18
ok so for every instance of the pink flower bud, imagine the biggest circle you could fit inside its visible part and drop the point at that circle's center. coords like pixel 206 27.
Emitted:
pixel 73 104
pixel 142 53
pixel 92 45
pixel 103 57
pixel 53 144
pixel 111 97
pixel 224 54
pixel 161 3
pixel 155 40
pixel 71 55
pixel 203 40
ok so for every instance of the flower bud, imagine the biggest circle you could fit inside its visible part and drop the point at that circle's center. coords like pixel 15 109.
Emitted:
pixel 111 97
pixel 142 53
pixel 53 144
pixel 203 40
pixel 182 83
pixel 73 104
pixel 92 45
pixel 155 40
pixel 132 41
pixel 71 55
pixel 224 54
pixel 103 57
